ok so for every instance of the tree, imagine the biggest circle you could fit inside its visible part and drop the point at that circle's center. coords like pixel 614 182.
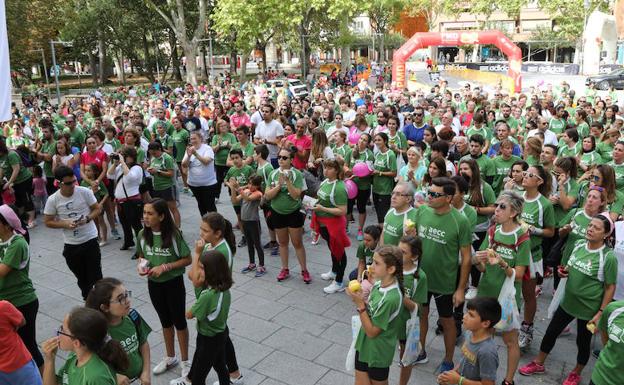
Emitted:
pixel 189 28
pixel 384 14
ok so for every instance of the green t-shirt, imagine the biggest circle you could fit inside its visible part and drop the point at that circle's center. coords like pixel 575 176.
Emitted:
pixel 158 255
pixel 114 143
pixel 583 130
pixel 591 158
pixel 180 140
pixel 489 198
pixel 579 221
pixel 416 290
pixel 165 163
pixel 483 131
pixel 331 195
pixel 364 157
pixel 365 254
pixel 504 244
pixel 608 368
pixel 384 162
pixel 565 151
pixel 384 305
pixel 501 171
pixel 442 238
pixel 211 311
pixel 619 175
pixel 166 141
pixel 131 336
pixel 76 137
pixel 248 151
pixel 471 214
pixel 395 223
pixel 8 161
pixel 532 160
pixel 16 287
pixel 225 141
pixel 14 142
pixel 93 372
pixel 283 203
pixel 557 125
pixel 605 149
pixel 344 151
pixel 486 165
pixel 398 139
pixel 265 172
pixel 100 193
pixel 241 175
pixel 571 189
pixel 539 213
pixel 587 277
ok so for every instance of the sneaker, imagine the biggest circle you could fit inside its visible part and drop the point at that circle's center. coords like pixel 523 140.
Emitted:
pixel 471 293
pixel 505 382
pixel 260 271
pixel 573 379
pixel 329 276
pixel 180 381
pixel 164 365
pixel 334 287
pixel 315 238
pixel 444 367
pixel 306 276
pixel 115 234
pixel 31 225
pixel 234 381
pixel 422 358
pixel 269 245
pixel 251 267
pixel 532 368
pixel 283 274
pixel 360 235
pixel 186 368
pixel 102 243
pixel 186 190
pixel 275 251
pixel 242 243
pixel 526 336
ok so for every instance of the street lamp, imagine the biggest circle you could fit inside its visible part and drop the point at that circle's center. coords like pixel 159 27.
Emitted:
pixel 209 40
pixel 56 79
pixel 45 69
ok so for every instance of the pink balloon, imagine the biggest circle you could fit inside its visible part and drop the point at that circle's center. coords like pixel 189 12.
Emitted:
pixel 352 189
pixel 354 136
pixel 361 170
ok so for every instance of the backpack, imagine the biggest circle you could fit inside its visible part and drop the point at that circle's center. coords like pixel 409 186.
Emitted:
pixel 25 157
pixel 135 317
pixel 521 239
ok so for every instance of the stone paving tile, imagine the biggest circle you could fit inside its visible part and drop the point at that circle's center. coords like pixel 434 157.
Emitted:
pixel 283 333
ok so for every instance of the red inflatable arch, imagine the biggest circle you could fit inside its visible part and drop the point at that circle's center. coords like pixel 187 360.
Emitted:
pixel 426 39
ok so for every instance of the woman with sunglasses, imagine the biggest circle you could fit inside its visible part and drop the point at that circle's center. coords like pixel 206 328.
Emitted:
pixel 603 175
pixel 539 215
pixel 512 250
pixel 384 172
pixel 94 356
pixel 284 189
pixel 111 298
pixel 617 163
pixel 591 271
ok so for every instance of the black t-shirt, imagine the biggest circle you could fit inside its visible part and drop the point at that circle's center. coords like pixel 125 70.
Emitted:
pixel 192 124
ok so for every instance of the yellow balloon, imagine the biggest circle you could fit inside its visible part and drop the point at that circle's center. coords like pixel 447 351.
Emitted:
pixel 355 286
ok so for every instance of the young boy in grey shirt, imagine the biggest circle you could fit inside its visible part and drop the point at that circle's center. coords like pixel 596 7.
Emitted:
pixel 479 354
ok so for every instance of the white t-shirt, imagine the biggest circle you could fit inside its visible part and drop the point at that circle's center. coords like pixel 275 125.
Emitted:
pixel 549 136
pixel 200 174
pixel 256 118
pixel 270 131
pixel 72 208
pixel 131 182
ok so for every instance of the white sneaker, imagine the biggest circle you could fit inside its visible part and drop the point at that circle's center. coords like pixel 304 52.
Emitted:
pixel 164 365
pixel 180 381
pixel 471 293
pixel 102 243
pixel 186 367
pixel 334 287
pixel 329 276
pixel 238 381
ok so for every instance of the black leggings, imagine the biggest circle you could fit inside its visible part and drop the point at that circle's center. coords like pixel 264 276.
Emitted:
pixel 28 332
pixel 221 172
pixel 560 320
pixel 359 201
pixel 338 267
pixel 169 301
pixel 209 353
pixel 475 274
pixel 23 195
pixel 50 188
pixel 85 261
pixel 205 197
pixel 382 205
pixel 230 353
pixel 251 230
pixel 130 215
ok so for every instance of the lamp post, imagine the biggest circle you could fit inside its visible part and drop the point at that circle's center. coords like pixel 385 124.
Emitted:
pixel 56 79
pixel 45 69
pixel 209 40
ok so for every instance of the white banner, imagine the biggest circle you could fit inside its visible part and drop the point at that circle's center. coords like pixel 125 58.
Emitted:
pixel 5 68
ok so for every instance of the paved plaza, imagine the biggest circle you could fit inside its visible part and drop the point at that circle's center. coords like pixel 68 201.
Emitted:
pixel 284 333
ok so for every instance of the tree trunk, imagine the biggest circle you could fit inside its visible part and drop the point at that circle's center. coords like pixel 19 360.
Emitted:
pixel 147 64
pixel 382 49
pixel 202 62
pixel 264 57
pixel 175 59
pixel 233 59
pixel 102 57
pixel 119 66
pixel 190 51
pixel 93 65
pixel 243 72
pixel 345 57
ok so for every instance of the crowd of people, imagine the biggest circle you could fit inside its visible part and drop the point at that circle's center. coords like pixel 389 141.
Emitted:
pixel 470 189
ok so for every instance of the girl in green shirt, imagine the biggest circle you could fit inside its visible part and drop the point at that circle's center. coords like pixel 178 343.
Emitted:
pixel 384 172
pixel 94 356
pixel 125 325
pixel 377 338
pixel 211 311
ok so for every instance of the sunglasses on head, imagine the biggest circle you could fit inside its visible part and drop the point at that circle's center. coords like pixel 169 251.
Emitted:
pixel 597 188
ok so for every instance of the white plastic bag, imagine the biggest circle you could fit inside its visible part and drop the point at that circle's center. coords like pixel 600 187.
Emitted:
pixel 356 324
pixel 400 163
pixel 412 343
pixel 510 317
pixel 557 297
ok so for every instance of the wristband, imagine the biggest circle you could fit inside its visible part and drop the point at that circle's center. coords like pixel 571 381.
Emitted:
pixel 538 232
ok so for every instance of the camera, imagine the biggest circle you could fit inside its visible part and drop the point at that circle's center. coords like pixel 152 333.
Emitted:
pixel 114 156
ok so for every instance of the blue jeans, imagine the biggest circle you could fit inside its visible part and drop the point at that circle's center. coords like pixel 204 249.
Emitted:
pixel 27 374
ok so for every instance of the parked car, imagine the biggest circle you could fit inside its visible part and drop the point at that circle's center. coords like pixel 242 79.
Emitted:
pixel 604 81
pixel 294 86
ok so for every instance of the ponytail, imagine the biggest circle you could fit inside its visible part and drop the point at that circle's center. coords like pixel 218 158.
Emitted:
pixel 217 222
pixel 393 256
pixel 415 245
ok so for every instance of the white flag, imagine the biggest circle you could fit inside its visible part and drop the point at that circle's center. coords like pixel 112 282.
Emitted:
pixel 5 68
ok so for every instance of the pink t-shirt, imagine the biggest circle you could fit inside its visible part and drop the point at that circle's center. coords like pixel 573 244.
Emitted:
pixel 99 158
pixel 39 185
pixel 237 121
pixel 302 144
pixel 13 352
